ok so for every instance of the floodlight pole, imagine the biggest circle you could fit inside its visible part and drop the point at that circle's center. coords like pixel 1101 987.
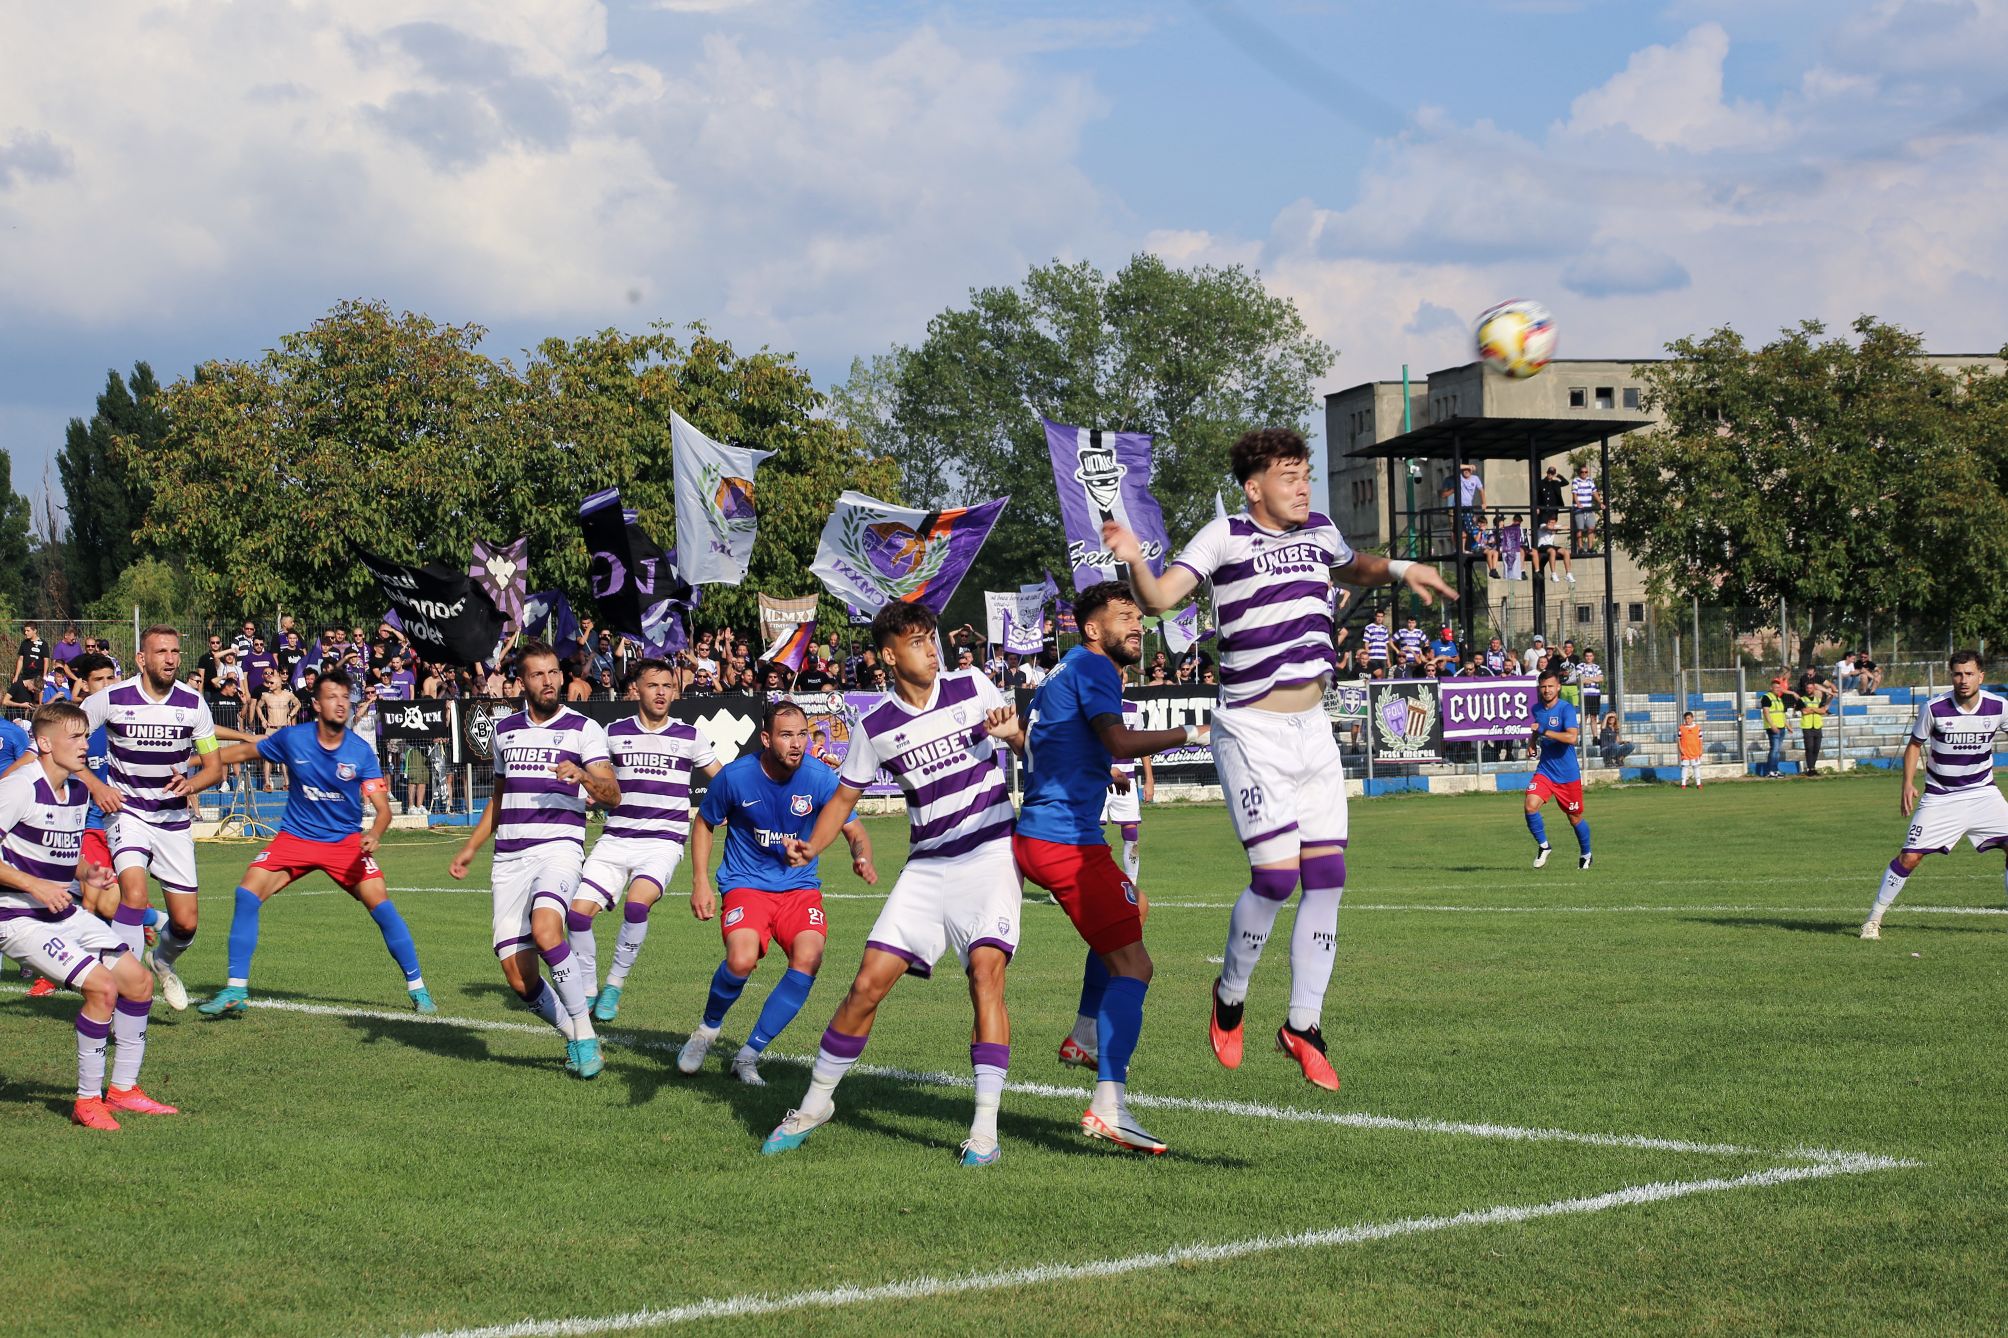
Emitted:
pixel 1611 649
pixel 1407 468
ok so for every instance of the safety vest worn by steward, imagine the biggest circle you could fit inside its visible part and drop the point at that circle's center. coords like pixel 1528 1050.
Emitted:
pixel 1772 704
pixel 1812 714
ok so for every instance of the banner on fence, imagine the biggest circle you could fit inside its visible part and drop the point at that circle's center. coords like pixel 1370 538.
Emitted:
pixel 1486 708
pixel 1407 722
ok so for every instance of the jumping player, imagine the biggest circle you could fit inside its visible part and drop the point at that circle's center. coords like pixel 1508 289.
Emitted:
pixel 642 843
pixel 1557 729
pixel 329 773
pixel 41 838
pixel 764 800
pixel 1955 737
pixel 548 760
pixel 1271 566
pixel 939 735
pixel 1074 734
pixel 157 729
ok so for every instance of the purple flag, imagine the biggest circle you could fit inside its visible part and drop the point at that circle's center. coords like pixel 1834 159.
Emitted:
pixel 791 649
pixel 873 552
pixel 548 615
pixel 503 573
pixel 1104 476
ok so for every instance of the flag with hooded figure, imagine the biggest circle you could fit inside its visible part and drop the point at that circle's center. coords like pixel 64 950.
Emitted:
pixel 790 649
pixel 503 573
pixel 873 552
pixel 1102 477
pixel 446 617
pixel 633 578
pixel 715 520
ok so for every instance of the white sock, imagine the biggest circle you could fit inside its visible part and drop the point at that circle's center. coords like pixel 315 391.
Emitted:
pixel 1247 931
pixel 545 1005
pixel 1313 951
pixel 91 1047
pixel 627 947
pixel 129 1033
pixel 170 945
pixel 586 955
pixel 415 984
pixel 132 935
pixel 1084 1033
pixel 1133 860
pixel 989 1096
pixel 1107 1101
pixel 569 982
pixel 1891 889
pixel 747 1055
pixel 823 1079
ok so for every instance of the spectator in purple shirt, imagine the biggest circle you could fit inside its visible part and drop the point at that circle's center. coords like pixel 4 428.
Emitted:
pixel 257 665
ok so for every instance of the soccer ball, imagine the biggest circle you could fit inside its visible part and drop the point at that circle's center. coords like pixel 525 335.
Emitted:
pixel 1516 338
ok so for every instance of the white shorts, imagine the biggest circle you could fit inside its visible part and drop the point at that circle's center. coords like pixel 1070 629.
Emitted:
pixel 1283 780
pixel 1126 806
pixel 962 903
pixel 617 861
pixel 547 874
pixel 1939 820
pixel 64 950
pixel 168 853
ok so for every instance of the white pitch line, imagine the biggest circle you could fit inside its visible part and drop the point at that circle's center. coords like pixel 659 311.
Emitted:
pixel 756 1304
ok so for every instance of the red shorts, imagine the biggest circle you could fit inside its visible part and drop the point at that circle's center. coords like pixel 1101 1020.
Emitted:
pixel 295 856
pixel 1093 892
pixel 1567 793
pixel 776 916
pixel 96 849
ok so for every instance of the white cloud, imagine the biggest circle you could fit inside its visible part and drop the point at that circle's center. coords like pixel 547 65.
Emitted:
pixel 1671 97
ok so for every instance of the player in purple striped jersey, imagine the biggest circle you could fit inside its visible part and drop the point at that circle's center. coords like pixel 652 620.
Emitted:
pixel 1271 568
pixel 1955 737
pixel 163 753
pixel 940 736
pixel 41 924
pixel 637 853
pixel 548 760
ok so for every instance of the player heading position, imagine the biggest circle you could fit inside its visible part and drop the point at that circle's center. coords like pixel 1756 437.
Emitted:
pixel 156 729
pixel 1955 738
pixel 764 800
pixel 41 837
pixel 1271 568
pixel 642 843
pixel 1073 736
pixel 940 736
pixel 548 760
pixel 329 774
pixel 1558 727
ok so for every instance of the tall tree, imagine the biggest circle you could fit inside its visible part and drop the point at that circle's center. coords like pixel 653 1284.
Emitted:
pixel 17 548
pixel 1843 476
pixel 102 467
pixel 1194 357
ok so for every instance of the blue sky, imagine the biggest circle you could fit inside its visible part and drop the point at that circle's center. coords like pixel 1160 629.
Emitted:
pixel 190 180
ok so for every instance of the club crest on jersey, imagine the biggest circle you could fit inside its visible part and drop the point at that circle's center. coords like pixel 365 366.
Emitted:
pixel 1003 925
pixel 798 804
pixel 180 716
pixel 345 770
pixel 734 916
pixel 961 714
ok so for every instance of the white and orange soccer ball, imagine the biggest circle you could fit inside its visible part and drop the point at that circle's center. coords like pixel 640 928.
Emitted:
pixel 1516 338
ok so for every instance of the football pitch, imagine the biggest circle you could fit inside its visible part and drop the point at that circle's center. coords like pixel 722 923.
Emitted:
pixel 1670 1094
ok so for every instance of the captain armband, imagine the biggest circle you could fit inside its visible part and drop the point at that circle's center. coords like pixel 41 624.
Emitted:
pixel 374 785
pixel 208 745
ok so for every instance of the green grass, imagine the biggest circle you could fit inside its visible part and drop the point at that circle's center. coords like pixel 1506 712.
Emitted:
pixel 357 1174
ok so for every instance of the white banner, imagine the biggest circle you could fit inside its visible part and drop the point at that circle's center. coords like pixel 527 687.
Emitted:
pixel 715 521
pixel 1017 619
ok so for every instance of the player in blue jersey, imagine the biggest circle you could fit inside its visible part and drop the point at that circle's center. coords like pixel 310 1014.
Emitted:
pixel 1557 729
pixel 765 801
pixel 1074 734
pixel 329 773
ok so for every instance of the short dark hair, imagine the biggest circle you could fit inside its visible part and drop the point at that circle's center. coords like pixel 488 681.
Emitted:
pixel 651 665
pixel 1099 596
pixel 901 618
pixel 775 710
pixel 90 662
pixel 1959 657
pixel 1257 450
pixel 536 650
pixel 335 674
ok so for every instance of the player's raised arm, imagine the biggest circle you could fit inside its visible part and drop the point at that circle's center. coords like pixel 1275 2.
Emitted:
pixel 1370 569
pixel 1122 741
pixel 1155 593
pixel 833 818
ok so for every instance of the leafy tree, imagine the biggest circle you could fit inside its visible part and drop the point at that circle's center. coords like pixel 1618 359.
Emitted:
pixel 161 594
pixel 1194 357
pixel 18 585
pixel 1843 476
pixel 102 467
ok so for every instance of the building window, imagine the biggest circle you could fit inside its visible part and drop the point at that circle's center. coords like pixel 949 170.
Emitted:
pixel 1578 396
pixel 1635 613
pixel 1605 398
pixel 1631 397
pixel 1583 612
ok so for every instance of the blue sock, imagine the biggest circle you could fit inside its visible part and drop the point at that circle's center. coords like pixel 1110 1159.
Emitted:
pixel 780 1008
pixel 1538 827
pixel 725 989
pixel 1118 1026
pixel 1094 979
pixel 151 919
pixel 244 934
pixel 1583 835
pixel 398 939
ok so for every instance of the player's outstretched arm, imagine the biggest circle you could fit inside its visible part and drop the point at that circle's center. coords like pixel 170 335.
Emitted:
pixel 234 754
pixel 1371 569
pixel 479 836
pixel 831 820
pixel 1155 593
pixel 1122 741
pixel 861 852
pixel 703 901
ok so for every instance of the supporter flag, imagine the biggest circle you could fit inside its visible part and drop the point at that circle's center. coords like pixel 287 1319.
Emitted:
pixel 547 616
pixel 1016 620
pixel 503 573
pixel 873 552
pixel 1104 476
pixel 859 617
pixel 790 649
pixel 715 521
pixel 446 617
pixel 634 579
pixel 778 615
pixel 1219 507
pixel 1181 630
